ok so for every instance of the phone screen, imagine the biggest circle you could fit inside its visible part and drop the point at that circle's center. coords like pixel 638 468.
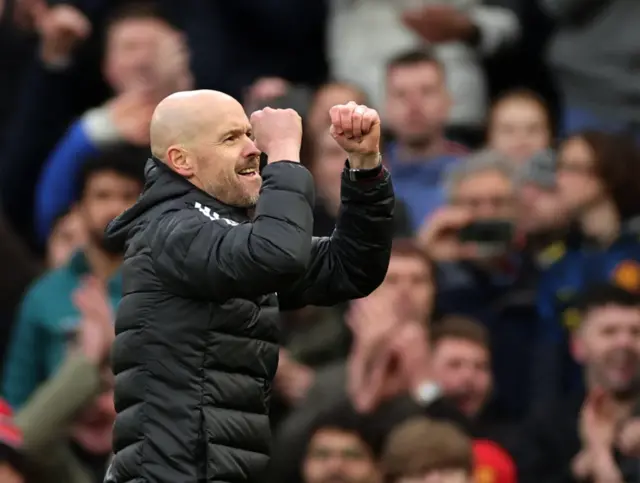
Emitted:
pixel 487 232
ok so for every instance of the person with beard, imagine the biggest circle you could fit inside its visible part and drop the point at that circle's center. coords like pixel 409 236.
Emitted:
pixel 48 318
pixel 215 248
pixel 417 110
pixel 598 185
pixel 582 438
pixel 344 447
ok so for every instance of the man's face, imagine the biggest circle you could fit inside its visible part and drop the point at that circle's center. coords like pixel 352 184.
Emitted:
pixel 486 195
pixel 335 456
pixel 226 160
pixel 417 104
pixel 440 476
pixel 462 369
pixel 519 129
pixel 410 287
pixel 328 164
pixel 131 50
pixel 67 236
pixel 106 195
pixel 542 210
pixel 608 344
pixel 578 186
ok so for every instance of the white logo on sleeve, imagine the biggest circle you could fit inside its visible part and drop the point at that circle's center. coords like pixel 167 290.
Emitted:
pixel 212 215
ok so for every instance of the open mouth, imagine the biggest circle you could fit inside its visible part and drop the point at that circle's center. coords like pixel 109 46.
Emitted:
pixel 248 172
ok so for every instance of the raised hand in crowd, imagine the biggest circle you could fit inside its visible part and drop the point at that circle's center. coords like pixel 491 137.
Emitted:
pixel 411 345
pixel 439 235
pixel 62 28
pixel 440 23
pixel 96 327
pixel 131 114
pixel 597 428
pixel 373 370
pixel 293 379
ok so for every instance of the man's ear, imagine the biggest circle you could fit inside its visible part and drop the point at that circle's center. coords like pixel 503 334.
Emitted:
pixel 178 160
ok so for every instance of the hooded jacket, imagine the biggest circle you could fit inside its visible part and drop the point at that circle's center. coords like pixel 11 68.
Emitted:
pixel 196 344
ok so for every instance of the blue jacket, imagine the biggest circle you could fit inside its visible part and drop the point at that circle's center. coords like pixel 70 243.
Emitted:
pixel 56 190
pixel 46 324
pixel 419 182
pixel 580 265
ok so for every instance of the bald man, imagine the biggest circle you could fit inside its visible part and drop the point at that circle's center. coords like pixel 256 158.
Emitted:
pixel 214 248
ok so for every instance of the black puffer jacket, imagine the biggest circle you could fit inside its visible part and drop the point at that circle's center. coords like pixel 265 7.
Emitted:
pixel 197 329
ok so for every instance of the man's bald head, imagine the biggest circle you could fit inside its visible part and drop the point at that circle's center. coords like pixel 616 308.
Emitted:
pixel 205 137
pixel 181 116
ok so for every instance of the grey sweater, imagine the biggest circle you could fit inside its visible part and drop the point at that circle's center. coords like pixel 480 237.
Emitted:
pixel 595 55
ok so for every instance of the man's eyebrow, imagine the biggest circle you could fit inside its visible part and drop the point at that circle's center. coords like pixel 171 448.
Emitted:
pixel 237 131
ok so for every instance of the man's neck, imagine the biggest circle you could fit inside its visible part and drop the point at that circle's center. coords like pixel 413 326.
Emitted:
pixel 103 265
pixel 424 151
pixel 601 222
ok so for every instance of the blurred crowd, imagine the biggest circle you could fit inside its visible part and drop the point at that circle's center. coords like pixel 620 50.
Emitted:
pixel 504 343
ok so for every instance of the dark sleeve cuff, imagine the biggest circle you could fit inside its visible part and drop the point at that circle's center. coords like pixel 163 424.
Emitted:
pixel 289 176
pixel 363 174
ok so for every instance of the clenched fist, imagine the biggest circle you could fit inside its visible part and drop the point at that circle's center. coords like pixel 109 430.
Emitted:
pixel 278 133
pixel 61 29
pixel 356 129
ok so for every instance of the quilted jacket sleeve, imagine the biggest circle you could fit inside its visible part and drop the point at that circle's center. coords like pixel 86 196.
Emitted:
pixel 352 262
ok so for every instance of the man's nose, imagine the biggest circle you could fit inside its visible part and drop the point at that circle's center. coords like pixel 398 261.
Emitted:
pixel 250 149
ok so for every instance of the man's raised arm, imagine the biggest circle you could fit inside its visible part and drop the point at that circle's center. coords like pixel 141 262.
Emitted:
pixel 353 261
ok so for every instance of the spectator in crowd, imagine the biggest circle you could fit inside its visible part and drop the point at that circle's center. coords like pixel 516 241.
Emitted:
pixel 342 448
pixel 492 281
pixel 599 183
pixel 594 77
pixel 460 365
pixel 417 107
pixel 461 33
pixel 421 450
pixel 145 60
pixel 593 438
pixel 109 184
pixel 519 125
pixel 56 446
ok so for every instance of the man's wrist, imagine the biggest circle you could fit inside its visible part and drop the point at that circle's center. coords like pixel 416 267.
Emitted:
pixel 284 152
pixel 364 161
